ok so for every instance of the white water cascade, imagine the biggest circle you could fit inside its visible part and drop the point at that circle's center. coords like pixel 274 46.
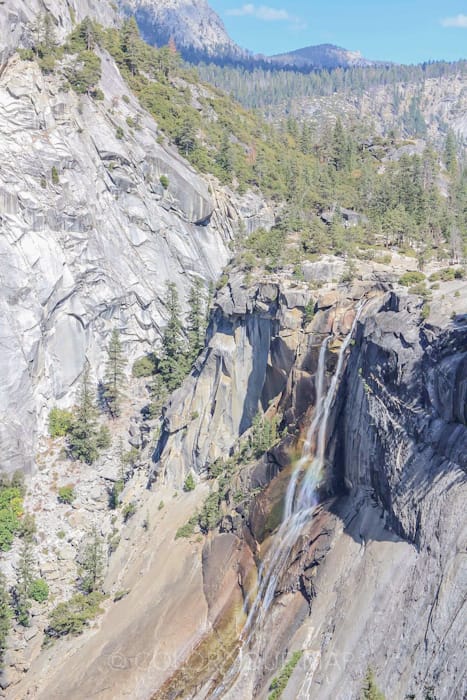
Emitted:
pixel 300 502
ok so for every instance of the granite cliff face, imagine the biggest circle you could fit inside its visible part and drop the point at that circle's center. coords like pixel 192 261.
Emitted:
pixel 376 576
pixel 89 238
pixel 18 16
pixel 194 26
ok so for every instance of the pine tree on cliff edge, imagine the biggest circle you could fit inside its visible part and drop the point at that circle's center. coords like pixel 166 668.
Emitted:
pixel 83 432
pixel 114 376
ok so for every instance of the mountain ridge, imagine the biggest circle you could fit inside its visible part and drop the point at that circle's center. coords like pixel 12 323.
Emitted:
pixel 322 56
pixel 199 33
pixel 192 24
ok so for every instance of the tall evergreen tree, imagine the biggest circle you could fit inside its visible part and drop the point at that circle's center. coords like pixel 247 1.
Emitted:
pixel 89 33
pixel 131 44
pixel 186 136
pixel 114 375
pixel 173 362
pixel 196 320
pixel 25 575
pixel 450 153
pixel 83 432
pixel 339 151
pixel 224 156
pixel 92 569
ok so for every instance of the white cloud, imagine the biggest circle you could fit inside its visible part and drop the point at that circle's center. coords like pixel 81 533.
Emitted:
pixel 268 14
pixel 458 21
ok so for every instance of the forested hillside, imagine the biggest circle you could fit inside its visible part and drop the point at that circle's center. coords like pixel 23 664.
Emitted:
pixel 405 193
pixel 262 87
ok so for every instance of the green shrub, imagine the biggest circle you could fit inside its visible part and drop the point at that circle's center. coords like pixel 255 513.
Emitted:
pixel 279 683
pixel 128 511
pixel 425 311
pixel 114 497
pixel 263 435
pixel 11 510
pixel 74 615
pixel 188 529
pixel 447 274
pixel 61 534
pixel 26 54
pixel 55 176
pixel 421 290
pixel 47 63
pixel 145 366
pixel 189 484
pixel 370 690
pixel 210 514
pixel 66 494
pixel 222 281
pixel 309 312
pixel 84 71
pixel 121 594
pixel 60 422
pixel 27 526
pixel 413 277
pixel 119 133
pixel 39 590
pixel 126 99
pixel 216 468
pixel 164 180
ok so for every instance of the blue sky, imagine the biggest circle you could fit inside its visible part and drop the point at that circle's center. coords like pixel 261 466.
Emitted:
pixel 405 31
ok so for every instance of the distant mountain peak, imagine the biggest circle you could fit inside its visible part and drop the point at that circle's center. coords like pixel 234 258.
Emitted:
pixel 322 56
pixel 199 33
pixel 194 26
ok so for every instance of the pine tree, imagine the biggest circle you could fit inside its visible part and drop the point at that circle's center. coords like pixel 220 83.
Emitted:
pixel 196 320
pixel 224 158
pixel 450 153
pixel 5 617
pixel 83 432
pixel 339 151
pixel 25 575
pixel 370 690
pixel 167 60
pixel 173 362
pixel 114 376
pixel 186 136
pixel 92 569
pixel 43 32
pixel 131 44
pixel 89 33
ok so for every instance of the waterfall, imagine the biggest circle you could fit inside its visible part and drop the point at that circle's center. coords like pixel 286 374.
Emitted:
pixel 299 503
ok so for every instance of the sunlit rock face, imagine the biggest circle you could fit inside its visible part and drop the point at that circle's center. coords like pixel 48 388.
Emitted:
pixel 89 238
pixel 192 24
